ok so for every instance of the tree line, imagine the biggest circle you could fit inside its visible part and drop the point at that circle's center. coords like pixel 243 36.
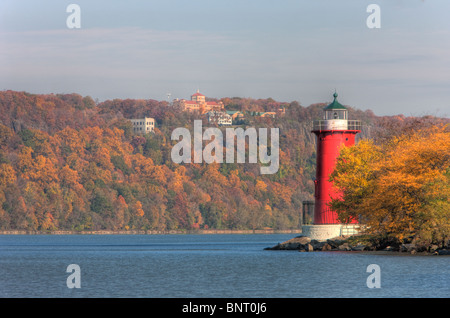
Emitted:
pixel 398 185
pixel 68 162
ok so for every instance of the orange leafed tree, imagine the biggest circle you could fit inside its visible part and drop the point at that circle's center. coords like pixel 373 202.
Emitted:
pixel 400 188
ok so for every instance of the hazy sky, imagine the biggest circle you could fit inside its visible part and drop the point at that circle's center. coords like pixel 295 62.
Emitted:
pixel 287 50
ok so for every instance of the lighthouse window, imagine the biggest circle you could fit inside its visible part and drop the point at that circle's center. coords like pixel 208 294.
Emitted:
pixel 335 115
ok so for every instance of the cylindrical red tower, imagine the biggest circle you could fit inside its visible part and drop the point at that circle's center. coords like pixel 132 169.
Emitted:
pixel 333 132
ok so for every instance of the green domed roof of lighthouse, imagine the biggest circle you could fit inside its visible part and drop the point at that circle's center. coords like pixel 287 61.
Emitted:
pixel 335 104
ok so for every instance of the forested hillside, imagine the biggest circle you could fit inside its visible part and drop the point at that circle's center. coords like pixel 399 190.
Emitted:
pixel 70 163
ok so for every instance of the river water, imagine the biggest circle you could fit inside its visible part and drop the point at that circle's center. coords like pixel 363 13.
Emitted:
pixel 206 266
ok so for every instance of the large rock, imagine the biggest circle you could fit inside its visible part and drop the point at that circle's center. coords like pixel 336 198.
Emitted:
pixel 444 252
pixel 344 247
pixel 433 248
pixel 301 239
pixel 326 247
pixel 297 243
pixel 317 245
pixel 409 248
pixel 359 247
pixel 335 242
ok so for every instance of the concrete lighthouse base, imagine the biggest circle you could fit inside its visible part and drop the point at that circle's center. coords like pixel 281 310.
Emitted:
pixel 323 232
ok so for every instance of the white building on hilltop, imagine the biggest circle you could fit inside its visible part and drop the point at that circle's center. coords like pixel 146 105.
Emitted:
pixel 143 125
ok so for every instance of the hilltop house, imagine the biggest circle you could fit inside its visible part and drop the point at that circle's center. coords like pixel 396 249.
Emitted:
pixel 235 115
pixel 143 125
pixel 198 104
pixel 218 117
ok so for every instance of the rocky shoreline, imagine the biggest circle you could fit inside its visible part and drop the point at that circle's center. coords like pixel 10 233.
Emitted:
pixel 346 244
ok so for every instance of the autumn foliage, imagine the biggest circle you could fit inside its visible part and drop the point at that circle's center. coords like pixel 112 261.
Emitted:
pixel 68 162
pixel 398 187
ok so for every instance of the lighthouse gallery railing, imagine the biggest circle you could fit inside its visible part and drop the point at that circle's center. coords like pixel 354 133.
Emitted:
pixel 325 125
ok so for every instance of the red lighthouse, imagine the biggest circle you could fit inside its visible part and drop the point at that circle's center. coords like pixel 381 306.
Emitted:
pixel 333 132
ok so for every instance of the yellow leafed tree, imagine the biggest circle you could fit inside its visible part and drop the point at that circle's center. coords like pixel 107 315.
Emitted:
pixel 399 189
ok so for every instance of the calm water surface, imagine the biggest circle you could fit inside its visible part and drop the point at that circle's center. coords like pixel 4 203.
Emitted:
pixel 206 266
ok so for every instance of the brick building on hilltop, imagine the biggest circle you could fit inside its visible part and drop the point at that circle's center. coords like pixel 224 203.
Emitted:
pixel 198 104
